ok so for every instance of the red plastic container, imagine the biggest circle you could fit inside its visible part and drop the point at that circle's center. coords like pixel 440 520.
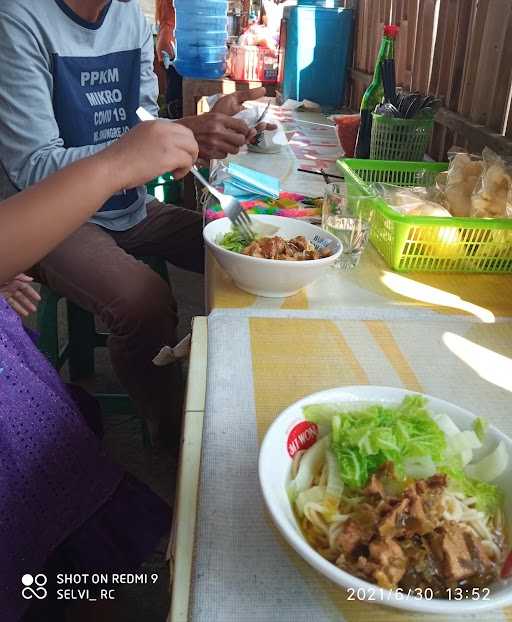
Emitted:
pixel 253 64
pixel 347 126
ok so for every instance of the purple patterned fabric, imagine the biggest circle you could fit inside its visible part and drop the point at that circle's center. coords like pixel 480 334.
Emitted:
pixel 53 473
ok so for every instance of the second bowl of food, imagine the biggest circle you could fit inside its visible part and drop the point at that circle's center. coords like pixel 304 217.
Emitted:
pixel 287 255
pixel 397 497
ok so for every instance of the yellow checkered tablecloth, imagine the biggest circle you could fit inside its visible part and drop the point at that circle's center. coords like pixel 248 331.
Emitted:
pixel 242 569
pixel 372 286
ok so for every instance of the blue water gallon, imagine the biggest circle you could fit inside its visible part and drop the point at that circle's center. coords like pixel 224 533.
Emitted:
pixel 201 36
pixel 318 52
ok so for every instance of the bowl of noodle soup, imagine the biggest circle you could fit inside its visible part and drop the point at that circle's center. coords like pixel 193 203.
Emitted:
pixel 436 511
pixel 273 278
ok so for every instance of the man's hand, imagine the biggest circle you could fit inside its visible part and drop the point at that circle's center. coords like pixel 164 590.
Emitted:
pixel 232 104
pixel 148 150
pixel 218 134
pixel 20 295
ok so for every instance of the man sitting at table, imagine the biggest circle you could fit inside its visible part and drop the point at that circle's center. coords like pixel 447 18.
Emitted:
pixel 73 74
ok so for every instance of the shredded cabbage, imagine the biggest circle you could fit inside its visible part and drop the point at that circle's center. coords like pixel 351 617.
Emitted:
pixel 418 444
pixel 446 424
pixel 462 445
pixel 309 465
pixel 363 440
pixel 480 427
pixel 323 499
pixel 321 414
pixel 315 494
pixel 488 498
pixel 421 467
pixel 490 467
pixel 334 490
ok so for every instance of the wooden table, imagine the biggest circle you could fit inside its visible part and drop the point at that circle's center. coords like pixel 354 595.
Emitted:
pixel 373 288
pixel 369 326
pixel 285 164
pixel 221 561
pixel 182 535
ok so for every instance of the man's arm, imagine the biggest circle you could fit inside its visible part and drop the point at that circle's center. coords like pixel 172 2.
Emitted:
pixel 30 143
pixel 36 220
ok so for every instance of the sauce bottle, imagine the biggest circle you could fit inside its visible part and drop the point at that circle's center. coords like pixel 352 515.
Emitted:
pixel 375 92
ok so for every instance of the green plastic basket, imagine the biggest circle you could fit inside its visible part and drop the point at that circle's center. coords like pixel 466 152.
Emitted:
pixel 400 139
pixel 426 243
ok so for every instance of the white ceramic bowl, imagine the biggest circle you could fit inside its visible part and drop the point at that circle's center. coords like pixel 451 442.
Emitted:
pixel 274 474
pixel 269 277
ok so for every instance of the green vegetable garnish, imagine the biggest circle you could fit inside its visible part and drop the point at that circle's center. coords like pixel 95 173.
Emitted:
pixel 488 497
pixel 235 241
pixel 408 436
pixel 480 428
pixel 362 441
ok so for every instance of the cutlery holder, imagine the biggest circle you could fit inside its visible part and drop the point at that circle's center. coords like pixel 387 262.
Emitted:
pixel 400 139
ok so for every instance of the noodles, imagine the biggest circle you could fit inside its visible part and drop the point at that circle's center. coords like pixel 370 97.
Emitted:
pixel 386 495
pixel 296 462
pixel 459 510
pixel 334 532
pixel 323 476
pixel 326 527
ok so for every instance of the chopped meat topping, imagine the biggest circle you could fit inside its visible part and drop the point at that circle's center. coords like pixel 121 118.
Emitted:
pixel 394 521
pixel 398 538
pixel 351 536
pixel 480 558
pixel 437 481
pixel 458 553
pixel 375 487
pixel 296 249
pixel 299 243
pixel 358 531
pixel 391 562
pixel 417 521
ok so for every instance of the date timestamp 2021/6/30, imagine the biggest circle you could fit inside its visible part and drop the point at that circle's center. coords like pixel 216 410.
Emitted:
pixel 455 594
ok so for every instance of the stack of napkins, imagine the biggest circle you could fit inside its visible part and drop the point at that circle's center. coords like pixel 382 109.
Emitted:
pixel 248 185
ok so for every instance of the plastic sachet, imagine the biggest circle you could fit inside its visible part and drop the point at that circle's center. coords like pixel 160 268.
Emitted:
pixel 459 182
pixel 492 194
pixel 243 183
pixel 270 141
pixel 477 186
pixel 412 201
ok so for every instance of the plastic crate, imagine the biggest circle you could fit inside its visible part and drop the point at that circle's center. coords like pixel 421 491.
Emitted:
pixel 426 243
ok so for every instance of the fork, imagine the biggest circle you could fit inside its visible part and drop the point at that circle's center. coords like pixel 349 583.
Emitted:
pixel 259 135
pixel 230 206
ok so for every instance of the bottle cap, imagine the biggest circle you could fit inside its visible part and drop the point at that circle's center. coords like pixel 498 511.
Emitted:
pixel 391 30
